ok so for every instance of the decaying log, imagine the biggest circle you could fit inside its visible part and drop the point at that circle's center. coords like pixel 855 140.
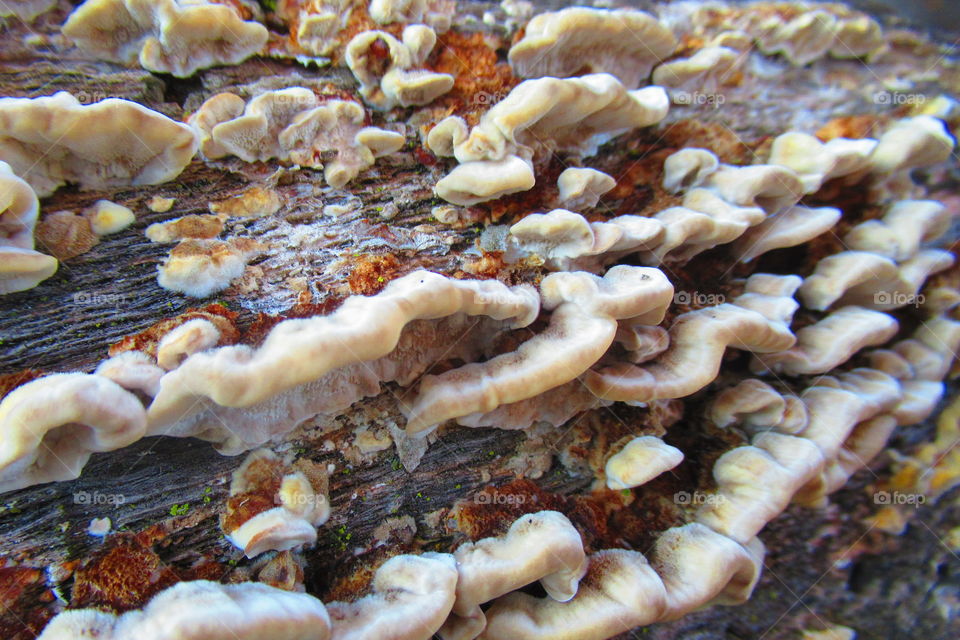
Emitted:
pixel 164 496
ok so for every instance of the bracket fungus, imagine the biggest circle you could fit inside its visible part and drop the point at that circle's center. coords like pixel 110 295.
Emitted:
pixel 902 230
pixel 583 323
pixel 768 186
pixel 864 443
pixel 192 336
pixel 170 36
pixel 640 461
pixel 537 118
pixel 543 546
pixel 551 114
pixel 699 566
pixel 108 217
pixel 690 566
pixel 735 39
pixel 642 342
pixel 473 182
pixel 53 140
pixel 300 507
pixel 756 483
pixel 789 228
pixel 412 596
pixel 577 40
pixel 688 168
pixel 802 39
pixel 697 342
pixel 858 36
pixel 66 234
pixel 559 235
pixel 200 268
pixel 446 136
pixel 688 232
pixel 132 370
pixel 436 14
pixel 870 280
pixel 336 126
pixel 300 351
pixel 53 424
pixel 565 241
pixel 203 610
pixel 830 342
pixel 385 86
pixel 816 162
pixel 836 407
pixel 619 592
pixel 708 69
pixel 755 406
pixel 801 36
pixel 293 125
pixel 19 209
pixel 912 142
pixel 200 227
pixel 21 267
pixel 582 188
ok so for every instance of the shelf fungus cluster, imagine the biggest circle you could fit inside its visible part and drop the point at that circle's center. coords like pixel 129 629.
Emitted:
pixel 800 33
pixel 574 41
pixel 536 119
pixel 296 126
pixel 386 85
pixel 167 36
pixel 53 140
pixel 750 319
pixel 416 596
